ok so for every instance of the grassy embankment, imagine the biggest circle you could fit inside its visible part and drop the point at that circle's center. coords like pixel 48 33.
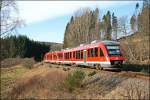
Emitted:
pixel 8 78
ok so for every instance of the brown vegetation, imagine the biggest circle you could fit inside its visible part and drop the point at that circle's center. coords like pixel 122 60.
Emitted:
pixel 10 62
pixel 38 86
pixel 134 90
pixel 28 62
pixel 44 82
pixel 136 49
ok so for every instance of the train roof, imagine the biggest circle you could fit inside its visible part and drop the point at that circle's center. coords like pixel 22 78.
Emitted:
pixel 94 43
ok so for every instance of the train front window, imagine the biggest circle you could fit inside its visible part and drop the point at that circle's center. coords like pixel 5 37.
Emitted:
pixel 113 50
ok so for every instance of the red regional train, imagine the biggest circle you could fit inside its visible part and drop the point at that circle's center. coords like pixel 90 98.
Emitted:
pixel 99 54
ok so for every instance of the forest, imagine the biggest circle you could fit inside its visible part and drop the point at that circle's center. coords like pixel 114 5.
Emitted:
pixel 21 46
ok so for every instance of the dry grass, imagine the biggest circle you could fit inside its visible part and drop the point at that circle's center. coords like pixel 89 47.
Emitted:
pixel 9 77
pixel 46 82
pixel 92 73
pixel 134 90
pixel 10 62
pixel 38 86
pixel 136 49
pixel 28 62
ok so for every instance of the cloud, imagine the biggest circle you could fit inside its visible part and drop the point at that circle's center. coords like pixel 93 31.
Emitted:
pixel 36 11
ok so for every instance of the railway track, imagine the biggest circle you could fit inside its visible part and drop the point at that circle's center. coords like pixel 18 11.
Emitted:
pixel 131 74
pixel 122 73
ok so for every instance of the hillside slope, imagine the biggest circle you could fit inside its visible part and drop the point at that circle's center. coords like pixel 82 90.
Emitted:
pixel 136 48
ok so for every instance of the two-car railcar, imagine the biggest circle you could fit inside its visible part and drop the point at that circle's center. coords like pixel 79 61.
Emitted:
pixel 100 54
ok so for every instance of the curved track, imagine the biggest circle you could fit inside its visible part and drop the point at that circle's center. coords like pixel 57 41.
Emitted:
pixel 131 74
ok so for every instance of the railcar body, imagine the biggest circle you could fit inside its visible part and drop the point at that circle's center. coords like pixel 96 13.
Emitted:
pixel 100 54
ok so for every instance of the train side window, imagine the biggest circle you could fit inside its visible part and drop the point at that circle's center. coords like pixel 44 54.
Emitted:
pixel 67 55
pixel 88 52
pixel 73 54
pixel 101 52
pixel 70 55
pixel 81 54
pixel 76 54
pixel 91 52
pixel 61 56
pixel 96 52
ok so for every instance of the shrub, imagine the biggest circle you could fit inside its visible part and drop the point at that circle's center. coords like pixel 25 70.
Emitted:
pixel 28 62
pixel 74 79
pixel 134 90
pixel 66 69
pixel 9 62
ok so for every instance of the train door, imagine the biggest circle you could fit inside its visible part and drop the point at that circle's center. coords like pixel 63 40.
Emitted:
pixel 84 56
pixel 102 58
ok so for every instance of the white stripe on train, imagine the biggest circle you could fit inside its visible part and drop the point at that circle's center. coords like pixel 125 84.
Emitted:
pixel 102 63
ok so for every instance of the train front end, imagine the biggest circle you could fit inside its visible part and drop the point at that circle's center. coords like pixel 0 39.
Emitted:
pixel 114 55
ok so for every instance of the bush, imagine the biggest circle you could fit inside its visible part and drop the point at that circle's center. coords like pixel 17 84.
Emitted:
pixel 9 62
pixel 28 62
pixel 74 80
pixel 134 90
pixel 66 69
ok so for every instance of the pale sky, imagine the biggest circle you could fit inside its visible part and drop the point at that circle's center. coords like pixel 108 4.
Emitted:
pixel 46 20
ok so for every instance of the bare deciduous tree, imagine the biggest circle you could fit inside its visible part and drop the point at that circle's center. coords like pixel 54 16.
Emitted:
pixel 9 17
pixel 123 25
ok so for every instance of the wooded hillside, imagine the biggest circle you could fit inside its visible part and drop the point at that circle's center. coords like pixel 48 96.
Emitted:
pixel 21 46
pixel 137 46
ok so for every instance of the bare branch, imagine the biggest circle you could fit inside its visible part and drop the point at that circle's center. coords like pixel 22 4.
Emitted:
pixel 9 17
